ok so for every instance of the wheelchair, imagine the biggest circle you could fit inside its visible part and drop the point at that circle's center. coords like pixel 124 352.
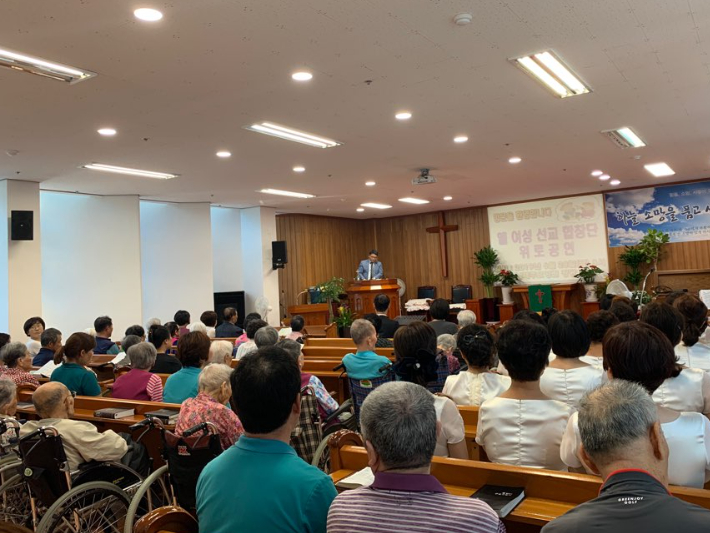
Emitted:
pixel 185 457
pixel 360 388
pixel 93 498
pixel 14 501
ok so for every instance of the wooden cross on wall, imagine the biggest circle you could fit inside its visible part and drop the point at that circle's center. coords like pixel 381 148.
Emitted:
pixel 442 229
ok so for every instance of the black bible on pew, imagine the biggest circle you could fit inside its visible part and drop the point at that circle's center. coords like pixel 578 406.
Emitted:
pixel 166 416
pixel 114 412
pixel 501 499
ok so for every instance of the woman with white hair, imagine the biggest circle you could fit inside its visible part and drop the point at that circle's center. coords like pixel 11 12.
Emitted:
pixel 466 318
pixel 140 383
pixel 18 363
pixel 8 407
pixel 214 390
pixel 446 344
pixel 221 352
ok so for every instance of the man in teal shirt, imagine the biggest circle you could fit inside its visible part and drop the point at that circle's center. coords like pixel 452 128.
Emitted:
pixel 365 363
pixel 260 484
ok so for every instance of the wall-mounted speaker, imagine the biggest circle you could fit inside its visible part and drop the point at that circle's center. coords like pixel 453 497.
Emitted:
pixel 21 227
pixel 278 254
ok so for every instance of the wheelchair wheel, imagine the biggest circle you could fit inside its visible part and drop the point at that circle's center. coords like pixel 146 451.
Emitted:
pixel 15 504
pixel 321 459
pixel 147 497
pixel 91 507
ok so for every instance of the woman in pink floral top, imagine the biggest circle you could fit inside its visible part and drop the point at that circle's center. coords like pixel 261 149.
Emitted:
pixel 18 363
pixel 208 406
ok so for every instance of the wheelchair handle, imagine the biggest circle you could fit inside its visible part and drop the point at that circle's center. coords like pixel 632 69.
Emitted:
pixel 143 423
pixel 209 427
pixel 341 366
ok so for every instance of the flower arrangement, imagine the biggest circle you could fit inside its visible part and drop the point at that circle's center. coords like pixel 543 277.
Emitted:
pixel 587 273
pixel 345 317
pixel 508 278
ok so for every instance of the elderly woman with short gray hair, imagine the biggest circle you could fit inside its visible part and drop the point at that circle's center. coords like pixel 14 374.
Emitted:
pixel 214 390
pixel 139 383
pixel 18 363
pixel 8 398
pixel 221 352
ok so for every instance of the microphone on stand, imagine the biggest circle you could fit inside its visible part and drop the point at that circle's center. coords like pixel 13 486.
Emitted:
pixel 643 287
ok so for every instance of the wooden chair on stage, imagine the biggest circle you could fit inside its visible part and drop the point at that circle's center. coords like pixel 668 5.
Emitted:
pixel 426 292
pixel 461 293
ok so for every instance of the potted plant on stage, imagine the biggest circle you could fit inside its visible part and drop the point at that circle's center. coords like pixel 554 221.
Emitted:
pixel 633 257
pixel 487 258
pixel 331 292
pixel 586 275
pixel 507 280
pixel 652 247
pixel 344 319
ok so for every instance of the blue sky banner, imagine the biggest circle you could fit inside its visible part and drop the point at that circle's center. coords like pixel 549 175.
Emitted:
pixel 682 211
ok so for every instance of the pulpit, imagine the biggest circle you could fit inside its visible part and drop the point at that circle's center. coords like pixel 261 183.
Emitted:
pixel 561 292
pixel 313 314
pixel 361 296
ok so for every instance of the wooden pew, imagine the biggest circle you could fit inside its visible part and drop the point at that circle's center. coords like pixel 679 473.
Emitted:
pixel 334 342
pixel 338 352
pixel 84 407
pixel 548 494
pixel 469 413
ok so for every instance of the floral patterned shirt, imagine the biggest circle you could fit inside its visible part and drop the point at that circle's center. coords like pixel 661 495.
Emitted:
pixel 204 408
pixel 17 375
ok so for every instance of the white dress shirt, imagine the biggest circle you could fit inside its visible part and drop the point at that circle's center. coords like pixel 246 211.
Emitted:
pixel 696 356
pixel 467 388
pixel 688 391
pixel 452 428
pixel 570 384
pixel 523 432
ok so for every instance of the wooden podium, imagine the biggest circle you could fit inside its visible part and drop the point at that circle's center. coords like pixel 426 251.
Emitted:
pixel 361 296
pixel 560 294
pixel 313 314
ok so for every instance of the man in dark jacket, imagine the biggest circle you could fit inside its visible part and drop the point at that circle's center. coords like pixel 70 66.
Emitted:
pixel 389 326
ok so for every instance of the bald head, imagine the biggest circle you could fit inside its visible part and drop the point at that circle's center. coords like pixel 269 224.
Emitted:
pixel 50 400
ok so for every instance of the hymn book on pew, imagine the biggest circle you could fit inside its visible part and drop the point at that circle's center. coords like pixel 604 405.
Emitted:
pixel 114 412
pixel 361 478
pixel 501 499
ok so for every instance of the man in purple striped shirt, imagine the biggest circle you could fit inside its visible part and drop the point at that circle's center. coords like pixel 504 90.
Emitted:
pixel 399 428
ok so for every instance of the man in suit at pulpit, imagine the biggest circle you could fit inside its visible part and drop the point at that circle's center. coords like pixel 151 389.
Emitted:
pixel 370 268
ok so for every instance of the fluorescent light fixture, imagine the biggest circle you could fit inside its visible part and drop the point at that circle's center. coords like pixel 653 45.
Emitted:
pixel 514 160
pixel 624 138
pixel 460 139
pixel 597 173
pixel 224 154
pixel 417 201
pixel 659 170
pixel 107 132
pixel 299 169
pixel 374 205
pixel 604 177
pixel 302 76
pixel 129 171
pixel 360 209
pixel 403 115
pixel 42 67
pixel 287 193
pixel 615 182
pixel 448 198
pixel 370 183
pixel 549 70
pixel 282 132
pixel 147 14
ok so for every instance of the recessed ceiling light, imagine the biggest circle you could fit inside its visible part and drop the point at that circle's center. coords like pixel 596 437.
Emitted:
pixel 299 169
pixel 360 209
pixel 659 169
pixel 224 154
pixel 302 75
pixel 370 183
pixel 514 160
pixel 374 205
pixel 460 139
pixel 107 132
pixel 289 134
pixel 615 182
pixel 604 177
pixel 624 138
pixel 448 198
pixel 147 14
pixel 552 73
pixel 403 115
pixel 287 193
pixel 129 171
pixel 597 173
pixel 42 67
pixel 417 201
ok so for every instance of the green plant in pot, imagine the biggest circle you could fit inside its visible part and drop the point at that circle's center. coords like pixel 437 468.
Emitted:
pixel 487 259
pixel 652 247
pixel 633 257
pixel 330 291
pixel 344 319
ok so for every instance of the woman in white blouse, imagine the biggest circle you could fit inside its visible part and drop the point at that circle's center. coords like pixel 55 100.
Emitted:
pixel 636 351
pixel 415 352
pixel 567 378
pixel 522 426
pixel 598 323
pixel 692 353
pixel 478 383
pixel 688 389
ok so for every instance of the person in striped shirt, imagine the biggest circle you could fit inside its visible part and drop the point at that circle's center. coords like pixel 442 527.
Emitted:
pixel 399 428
